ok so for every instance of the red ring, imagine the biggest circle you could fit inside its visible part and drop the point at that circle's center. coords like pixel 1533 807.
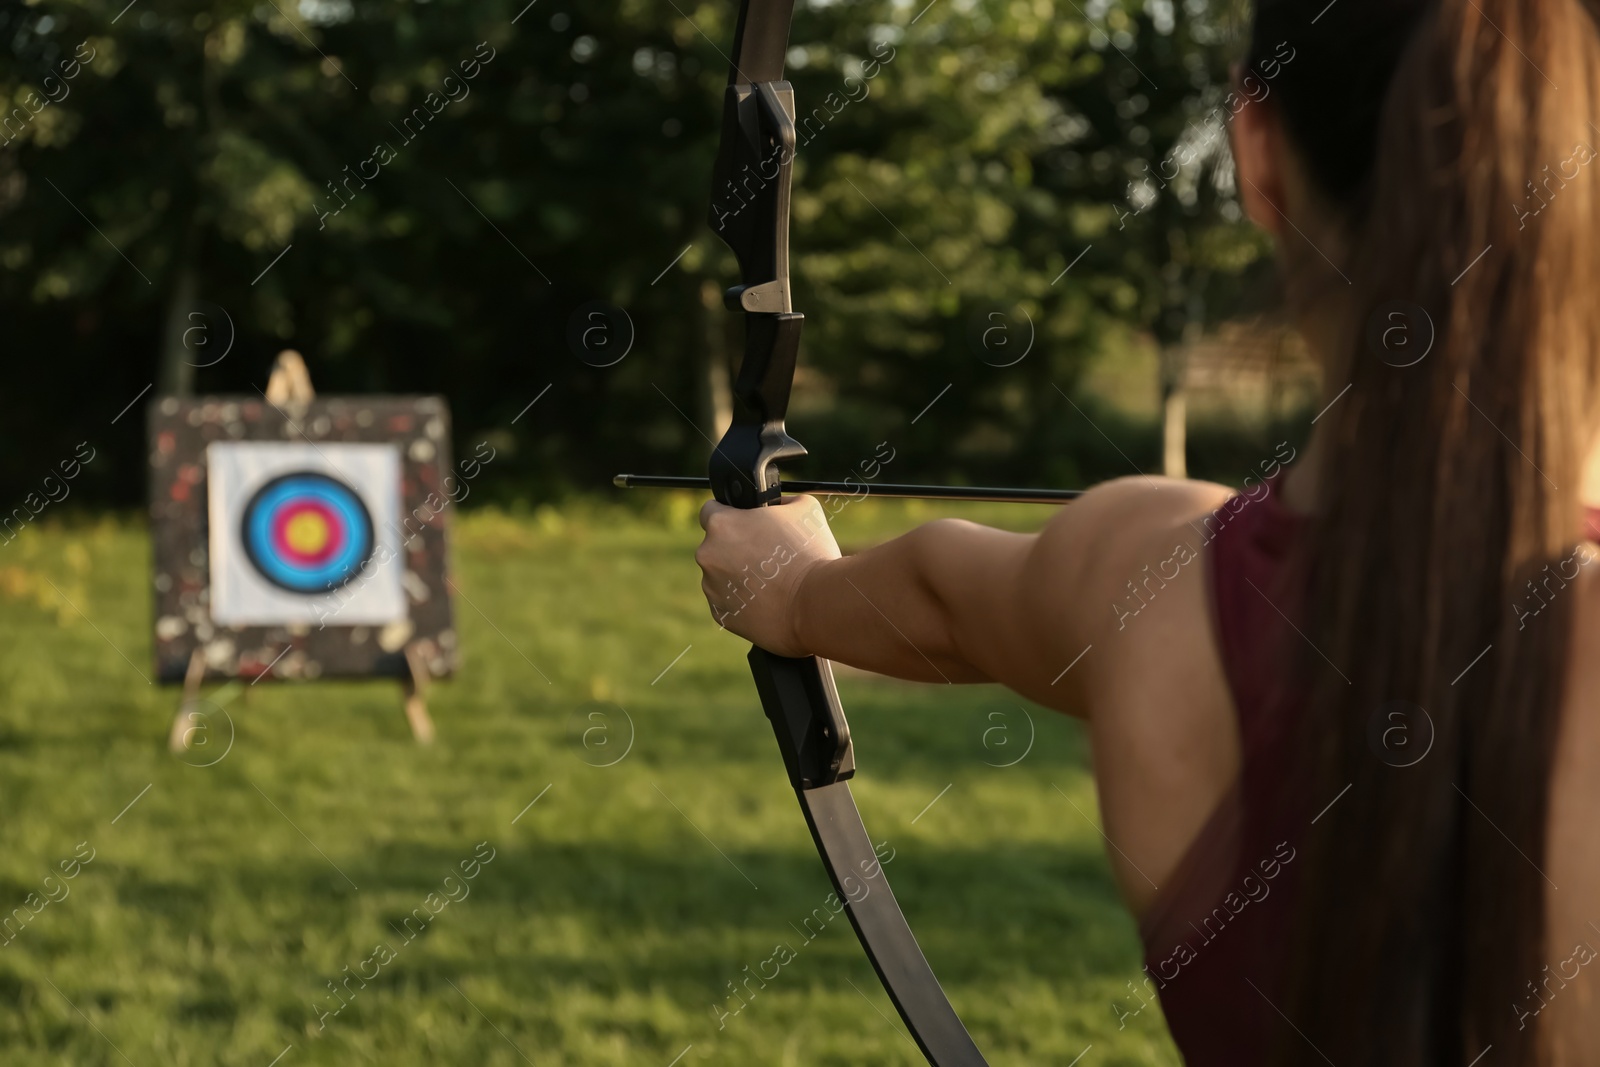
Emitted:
pixel 280 540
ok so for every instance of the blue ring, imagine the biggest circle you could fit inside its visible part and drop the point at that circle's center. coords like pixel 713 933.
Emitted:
pixel 256 532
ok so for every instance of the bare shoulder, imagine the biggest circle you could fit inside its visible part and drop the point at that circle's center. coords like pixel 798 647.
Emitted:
pixel 1153 494
pixel 1126 515
pixel 1082 565
pixel 1117 529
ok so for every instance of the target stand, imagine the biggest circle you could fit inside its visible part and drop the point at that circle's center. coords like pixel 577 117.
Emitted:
pixel 298 538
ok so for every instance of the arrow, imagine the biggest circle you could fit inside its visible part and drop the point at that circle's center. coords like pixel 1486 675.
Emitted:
pixel 888 490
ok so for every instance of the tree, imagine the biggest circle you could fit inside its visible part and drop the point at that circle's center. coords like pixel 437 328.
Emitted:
pixel 440 197
pixel 1140 152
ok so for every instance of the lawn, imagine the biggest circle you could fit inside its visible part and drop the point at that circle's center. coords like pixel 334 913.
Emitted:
pixel 609 923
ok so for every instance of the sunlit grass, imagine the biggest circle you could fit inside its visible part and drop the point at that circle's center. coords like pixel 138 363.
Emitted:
pixel 614 913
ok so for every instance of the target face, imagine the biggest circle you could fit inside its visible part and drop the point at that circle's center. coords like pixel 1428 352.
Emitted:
pixel 307 532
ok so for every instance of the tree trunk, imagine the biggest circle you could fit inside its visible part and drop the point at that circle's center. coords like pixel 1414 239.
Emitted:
pixel 176 363
pixel 716 392
pixel 1174 429
pixel 1174 384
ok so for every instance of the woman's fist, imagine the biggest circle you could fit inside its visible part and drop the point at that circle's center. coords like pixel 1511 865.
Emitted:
pixel 753 562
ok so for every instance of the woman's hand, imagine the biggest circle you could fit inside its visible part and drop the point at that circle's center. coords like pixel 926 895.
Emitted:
pixel 753 562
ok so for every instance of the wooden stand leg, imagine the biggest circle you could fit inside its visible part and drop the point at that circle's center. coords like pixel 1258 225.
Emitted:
pixel 416 692
pixel 178 737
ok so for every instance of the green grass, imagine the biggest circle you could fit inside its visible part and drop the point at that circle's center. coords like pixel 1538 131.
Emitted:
pixel 607 926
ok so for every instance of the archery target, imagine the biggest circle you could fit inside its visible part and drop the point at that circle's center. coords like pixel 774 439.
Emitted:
pixel 305 533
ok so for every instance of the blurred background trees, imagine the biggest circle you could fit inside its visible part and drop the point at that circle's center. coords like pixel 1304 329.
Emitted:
pixel 993 199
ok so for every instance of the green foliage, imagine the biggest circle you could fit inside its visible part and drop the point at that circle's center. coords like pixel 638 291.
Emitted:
pixel 606 928
pixel 957 158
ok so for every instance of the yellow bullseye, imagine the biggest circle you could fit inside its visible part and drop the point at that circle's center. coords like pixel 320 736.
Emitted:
pixel 306 533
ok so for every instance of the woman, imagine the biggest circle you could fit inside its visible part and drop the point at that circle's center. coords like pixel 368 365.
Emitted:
pixel 1344 724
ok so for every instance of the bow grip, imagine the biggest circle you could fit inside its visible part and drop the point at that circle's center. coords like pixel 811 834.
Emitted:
pixel 803 706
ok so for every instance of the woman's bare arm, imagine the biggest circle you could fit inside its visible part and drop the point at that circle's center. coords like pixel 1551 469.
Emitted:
pixel 950 601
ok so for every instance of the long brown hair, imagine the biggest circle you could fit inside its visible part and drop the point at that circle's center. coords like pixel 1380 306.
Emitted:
pixel 1436 134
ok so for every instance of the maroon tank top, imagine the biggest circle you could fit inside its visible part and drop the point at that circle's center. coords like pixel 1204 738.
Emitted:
pixel 1216 937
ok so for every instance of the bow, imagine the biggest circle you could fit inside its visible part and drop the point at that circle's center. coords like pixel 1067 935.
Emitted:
pixel 750 212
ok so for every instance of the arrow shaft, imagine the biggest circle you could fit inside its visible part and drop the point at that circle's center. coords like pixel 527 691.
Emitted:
pixel 887 490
